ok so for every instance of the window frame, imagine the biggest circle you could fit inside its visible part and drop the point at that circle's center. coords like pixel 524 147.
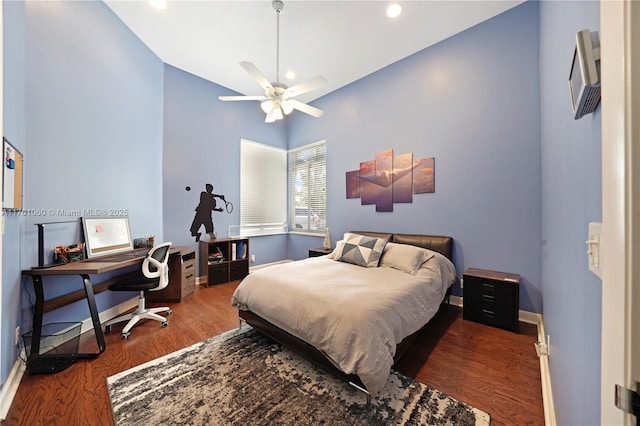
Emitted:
pixel 316 197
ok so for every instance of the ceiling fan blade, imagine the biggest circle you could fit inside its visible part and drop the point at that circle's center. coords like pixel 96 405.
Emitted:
pixel 307 109
pixel 242 98
pixel 305 86
pixel 256 74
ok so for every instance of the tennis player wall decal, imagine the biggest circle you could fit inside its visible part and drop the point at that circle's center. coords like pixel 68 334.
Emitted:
pixel 204 212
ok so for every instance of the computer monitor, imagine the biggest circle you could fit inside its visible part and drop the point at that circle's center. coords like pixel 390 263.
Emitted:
pixel 106 235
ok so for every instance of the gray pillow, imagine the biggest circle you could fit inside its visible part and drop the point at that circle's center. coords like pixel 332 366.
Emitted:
pixel 404 257
pixel 361 250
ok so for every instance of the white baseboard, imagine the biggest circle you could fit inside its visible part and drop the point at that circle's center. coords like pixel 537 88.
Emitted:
pixel 547 394
pixel 10 388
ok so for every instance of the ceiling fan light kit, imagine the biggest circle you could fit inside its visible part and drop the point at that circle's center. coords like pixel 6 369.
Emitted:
pixel 277 101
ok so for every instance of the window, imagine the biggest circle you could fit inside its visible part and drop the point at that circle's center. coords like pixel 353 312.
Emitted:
pixel 263 189
pixel 307 188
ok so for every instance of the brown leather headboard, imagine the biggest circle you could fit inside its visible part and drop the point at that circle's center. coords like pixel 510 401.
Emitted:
pixel 441 244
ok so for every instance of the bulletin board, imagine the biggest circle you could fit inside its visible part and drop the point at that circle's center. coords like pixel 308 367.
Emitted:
pixel 11 177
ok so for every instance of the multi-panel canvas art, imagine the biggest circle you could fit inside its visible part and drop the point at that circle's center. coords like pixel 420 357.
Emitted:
pixel 391 179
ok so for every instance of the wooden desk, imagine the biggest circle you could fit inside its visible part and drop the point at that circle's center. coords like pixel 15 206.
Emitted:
pixel 84 269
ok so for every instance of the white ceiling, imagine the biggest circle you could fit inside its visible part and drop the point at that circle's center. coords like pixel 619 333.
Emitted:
pixel 341 40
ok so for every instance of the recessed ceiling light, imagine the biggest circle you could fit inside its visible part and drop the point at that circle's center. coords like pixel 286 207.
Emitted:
pixel 290 75
pixel 159 4
pixel 394 10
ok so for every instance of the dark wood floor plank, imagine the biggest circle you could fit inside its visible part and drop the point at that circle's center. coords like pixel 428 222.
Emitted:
pixel 492 369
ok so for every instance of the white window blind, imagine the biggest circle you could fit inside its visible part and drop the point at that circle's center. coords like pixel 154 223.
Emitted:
pixel 307 188
pixel 263 189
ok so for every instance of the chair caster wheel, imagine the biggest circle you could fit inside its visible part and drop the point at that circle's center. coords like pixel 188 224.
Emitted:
pixel 107 328
pixel 125 336
pixel 169 312
pixel 165 323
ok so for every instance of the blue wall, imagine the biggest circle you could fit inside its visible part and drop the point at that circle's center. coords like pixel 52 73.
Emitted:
pixel 86 111
pixel 202 145
pixel 14 130
pixel 571 188
pixel 472 102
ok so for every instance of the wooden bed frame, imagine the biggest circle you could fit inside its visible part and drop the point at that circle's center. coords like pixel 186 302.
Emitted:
pixel 440 244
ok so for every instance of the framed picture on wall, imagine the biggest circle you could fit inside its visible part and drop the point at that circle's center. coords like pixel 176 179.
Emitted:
pixel 11 177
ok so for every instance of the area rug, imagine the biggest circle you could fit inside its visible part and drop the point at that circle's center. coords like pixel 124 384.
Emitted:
pixel 243 378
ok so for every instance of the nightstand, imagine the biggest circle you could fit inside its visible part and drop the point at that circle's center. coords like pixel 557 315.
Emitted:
pixel 491 297
pixel 315 252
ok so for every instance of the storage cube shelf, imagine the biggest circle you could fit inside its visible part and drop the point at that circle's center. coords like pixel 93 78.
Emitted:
pixel 224 260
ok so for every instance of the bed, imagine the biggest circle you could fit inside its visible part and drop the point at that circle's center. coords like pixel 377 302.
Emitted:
pixel 348 312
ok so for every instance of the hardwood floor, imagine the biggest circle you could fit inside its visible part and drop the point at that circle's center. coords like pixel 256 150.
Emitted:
pixel 494 370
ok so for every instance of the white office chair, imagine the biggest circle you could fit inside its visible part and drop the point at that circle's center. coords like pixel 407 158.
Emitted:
pixel 155 277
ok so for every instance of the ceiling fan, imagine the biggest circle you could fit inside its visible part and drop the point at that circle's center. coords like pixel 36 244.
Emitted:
pixel 277 100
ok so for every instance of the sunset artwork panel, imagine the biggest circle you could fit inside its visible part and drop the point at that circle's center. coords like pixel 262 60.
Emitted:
pixel 424 180
pixel 367 188
pixel 390 179
pixel 403 184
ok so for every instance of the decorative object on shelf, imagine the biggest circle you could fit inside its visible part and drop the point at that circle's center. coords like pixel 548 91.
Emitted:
pixel 327 240
pixel 277 100
pixel 391 179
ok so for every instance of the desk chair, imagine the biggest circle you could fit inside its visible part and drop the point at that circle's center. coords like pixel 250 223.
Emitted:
pixel 155 276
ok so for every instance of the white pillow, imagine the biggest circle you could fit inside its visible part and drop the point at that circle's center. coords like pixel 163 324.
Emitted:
pixel 336 250
pixel 404 257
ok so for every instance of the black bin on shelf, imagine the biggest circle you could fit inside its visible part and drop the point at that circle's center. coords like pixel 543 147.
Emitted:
pixel 58 347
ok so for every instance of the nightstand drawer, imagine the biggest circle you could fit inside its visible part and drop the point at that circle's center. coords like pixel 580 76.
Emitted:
pixel 491 313
pixel 491 290
pixel 491 298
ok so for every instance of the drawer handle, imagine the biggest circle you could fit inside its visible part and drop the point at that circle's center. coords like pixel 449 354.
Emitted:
pixel 488 313
pixel 488 286
pixel 189 276
pixel 189 266
pixel 488 297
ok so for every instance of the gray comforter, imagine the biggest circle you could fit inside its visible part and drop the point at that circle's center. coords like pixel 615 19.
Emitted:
pixel 354 315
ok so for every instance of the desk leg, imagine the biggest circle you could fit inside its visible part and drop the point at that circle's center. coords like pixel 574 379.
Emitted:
pixel 38 312
pixel 97 328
